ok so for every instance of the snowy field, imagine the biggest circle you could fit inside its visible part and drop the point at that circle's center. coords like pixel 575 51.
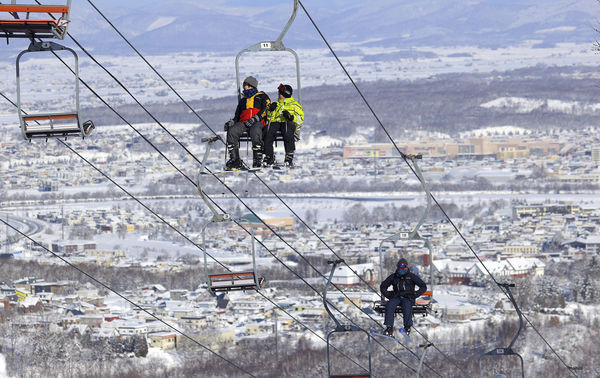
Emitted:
pixel 202 75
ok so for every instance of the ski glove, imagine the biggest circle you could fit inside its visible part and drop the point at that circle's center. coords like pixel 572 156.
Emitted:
pixel 272 106
pixel 287 115
pixel 252 121
pixel 228 124
pixel 297 134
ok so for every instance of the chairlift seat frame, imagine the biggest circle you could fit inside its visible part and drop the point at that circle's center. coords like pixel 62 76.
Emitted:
pixel 238 281
pixel 422 305
pixel 34 28
pixel 30 127
pixel 246 138
pixel 224 281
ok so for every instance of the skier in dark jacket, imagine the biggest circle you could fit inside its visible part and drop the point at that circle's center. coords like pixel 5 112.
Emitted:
pixel 403 283
pixel 249 115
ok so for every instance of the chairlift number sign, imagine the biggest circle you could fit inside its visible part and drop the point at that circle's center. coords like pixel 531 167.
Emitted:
pixel 265 45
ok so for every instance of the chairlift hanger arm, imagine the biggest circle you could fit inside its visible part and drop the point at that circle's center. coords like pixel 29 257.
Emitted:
pixel 508 351
pixel 334 264
pixel 217 217
pixel 276 45
pixel 289 23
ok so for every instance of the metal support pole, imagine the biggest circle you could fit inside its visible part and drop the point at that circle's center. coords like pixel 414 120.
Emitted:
pixel 276 336
pixel 206 279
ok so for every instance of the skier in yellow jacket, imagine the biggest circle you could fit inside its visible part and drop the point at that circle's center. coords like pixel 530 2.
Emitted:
pixel 285 114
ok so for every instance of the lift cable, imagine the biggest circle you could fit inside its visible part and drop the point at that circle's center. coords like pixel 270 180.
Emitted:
pixel 152 67
pixel 181 234
pixel 406 161
pixel 106 286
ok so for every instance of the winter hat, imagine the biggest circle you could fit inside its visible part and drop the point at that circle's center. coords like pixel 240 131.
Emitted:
pixel 251 81
pixel 285 90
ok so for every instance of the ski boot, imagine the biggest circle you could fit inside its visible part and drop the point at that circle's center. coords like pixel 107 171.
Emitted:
pixel 389 331
pixel 257 156
pixel 234 161
pixel 289 160
pixel 268 161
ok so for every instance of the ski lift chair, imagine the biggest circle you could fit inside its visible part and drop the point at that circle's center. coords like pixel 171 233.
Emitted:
pixel 265 46
pixel 51 124
pixel 423 303
pixel 341 328
pixel 225 281
pixel 31 27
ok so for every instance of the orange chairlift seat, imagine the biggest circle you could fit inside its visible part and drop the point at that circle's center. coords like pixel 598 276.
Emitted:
pixel 22 25
pixel 51 124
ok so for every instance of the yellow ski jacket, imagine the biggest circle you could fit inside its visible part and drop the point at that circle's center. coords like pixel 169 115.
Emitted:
pixel 292 106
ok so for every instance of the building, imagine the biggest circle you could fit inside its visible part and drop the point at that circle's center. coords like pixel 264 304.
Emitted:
pixel 163 340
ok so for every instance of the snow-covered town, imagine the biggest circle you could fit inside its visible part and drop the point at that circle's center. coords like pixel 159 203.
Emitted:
pixel 516 232
pixel 429 209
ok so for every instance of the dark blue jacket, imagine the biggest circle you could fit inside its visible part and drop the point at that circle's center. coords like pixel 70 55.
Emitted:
pixel 403 286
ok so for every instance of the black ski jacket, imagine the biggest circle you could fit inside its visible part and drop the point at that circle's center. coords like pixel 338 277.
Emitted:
pixel 404 286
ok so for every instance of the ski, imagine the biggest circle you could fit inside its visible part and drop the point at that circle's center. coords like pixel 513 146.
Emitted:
pixel 233 171
pixel 382 335
pixel 406 337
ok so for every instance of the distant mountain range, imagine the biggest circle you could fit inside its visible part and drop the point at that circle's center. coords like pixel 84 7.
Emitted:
pixel 188 25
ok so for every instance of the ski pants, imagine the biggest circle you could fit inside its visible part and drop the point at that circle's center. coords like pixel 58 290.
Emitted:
pixel 287 130
pixel 407 311
pixel 235 132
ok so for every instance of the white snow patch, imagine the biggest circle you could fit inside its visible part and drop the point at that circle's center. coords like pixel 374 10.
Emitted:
pixel 519 104
pixel 527 105
pixel 495 130
pixel 166 359
pixel 160 22
pixel 3 372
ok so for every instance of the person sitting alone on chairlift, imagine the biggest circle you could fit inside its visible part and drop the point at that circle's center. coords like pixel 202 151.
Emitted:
pixel 249 116
pixel 403 283
pixel 285 115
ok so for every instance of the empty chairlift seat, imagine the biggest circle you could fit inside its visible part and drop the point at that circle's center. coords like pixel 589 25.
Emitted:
pixel 34 21
pixel 52 124
pixel 234 281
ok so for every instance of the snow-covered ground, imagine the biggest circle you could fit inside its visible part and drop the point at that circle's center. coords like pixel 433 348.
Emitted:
pixel 3 372
pixel 202 75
